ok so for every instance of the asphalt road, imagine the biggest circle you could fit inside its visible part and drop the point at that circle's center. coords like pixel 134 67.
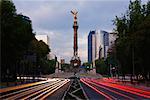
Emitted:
pixel 59 93
pixel 100 90
pixel 53 89
pixel 92 94
pixel 37 90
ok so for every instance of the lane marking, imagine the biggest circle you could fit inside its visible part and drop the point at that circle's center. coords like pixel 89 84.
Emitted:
pixel 44 89
pixel 98 91
pixel 112 81
pixel 28 92
pixel 124 89
pixel 48 94
pixel 20 91
pixel 129 98
pixel 22 86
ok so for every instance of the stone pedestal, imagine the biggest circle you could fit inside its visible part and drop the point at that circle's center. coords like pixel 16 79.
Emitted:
pixel 75 64
pixel 93 71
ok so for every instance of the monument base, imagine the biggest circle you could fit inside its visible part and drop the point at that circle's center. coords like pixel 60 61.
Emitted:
pixel 75 64
pixel 93 71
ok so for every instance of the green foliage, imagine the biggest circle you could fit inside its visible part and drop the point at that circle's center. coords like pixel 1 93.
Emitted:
pixel 18 41
pixel 65 66
pixel 39 47
pixel 43 49
pixel 47 66
pixel 101 67
pixel 87 64
pixel 7 9
pixel 132 44
pixel 16 34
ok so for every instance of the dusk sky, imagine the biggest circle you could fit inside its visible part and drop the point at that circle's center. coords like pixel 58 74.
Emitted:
pixel 53 18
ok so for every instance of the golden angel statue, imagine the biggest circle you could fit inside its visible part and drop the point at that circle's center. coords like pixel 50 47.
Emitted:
pixel 74 12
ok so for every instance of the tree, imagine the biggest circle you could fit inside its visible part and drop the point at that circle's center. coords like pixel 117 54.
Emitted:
pixel 47 66
pixel 132 44
pixel 16 34
pixel 21 52
pixel 65 66
pixel 88 65
pixel 41 49
pixel 101 67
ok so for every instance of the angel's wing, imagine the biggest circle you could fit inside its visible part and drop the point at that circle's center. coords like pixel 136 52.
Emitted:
pixel 76 13
pixel 72 12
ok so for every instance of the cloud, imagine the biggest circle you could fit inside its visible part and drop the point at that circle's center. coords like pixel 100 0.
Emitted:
pixel 53 17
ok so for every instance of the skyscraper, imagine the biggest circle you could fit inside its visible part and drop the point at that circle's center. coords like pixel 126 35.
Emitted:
pixel 98 42
pixel 91 46
pixel 105 42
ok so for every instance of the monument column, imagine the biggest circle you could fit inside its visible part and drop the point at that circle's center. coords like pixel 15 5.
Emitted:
pixel 75 61
pixel 75 27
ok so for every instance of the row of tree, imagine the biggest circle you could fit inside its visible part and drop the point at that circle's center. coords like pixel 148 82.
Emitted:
pixel 132 47
pixel 101 67
pixel 131 51
pixel 21 52
pixel 65 67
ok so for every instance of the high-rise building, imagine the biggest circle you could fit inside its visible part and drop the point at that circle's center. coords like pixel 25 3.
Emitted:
pixel 105 42
pixel 98 42
pixel 94 45
pixel 91 46
pixel 112 38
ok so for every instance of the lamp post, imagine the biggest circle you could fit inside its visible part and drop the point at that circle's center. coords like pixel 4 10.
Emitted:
pixel 110 70
pixel 133 61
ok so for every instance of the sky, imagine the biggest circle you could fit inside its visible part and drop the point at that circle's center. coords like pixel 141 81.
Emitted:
pixel 53 18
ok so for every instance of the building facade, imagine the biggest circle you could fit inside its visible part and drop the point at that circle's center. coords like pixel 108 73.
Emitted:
pixel 105 43
pixel 98 42
pixel 112 37
pixel 91 46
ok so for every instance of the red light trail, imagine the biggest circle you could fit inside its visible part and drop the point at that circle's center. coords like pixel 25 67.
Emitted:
pixel 111 86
